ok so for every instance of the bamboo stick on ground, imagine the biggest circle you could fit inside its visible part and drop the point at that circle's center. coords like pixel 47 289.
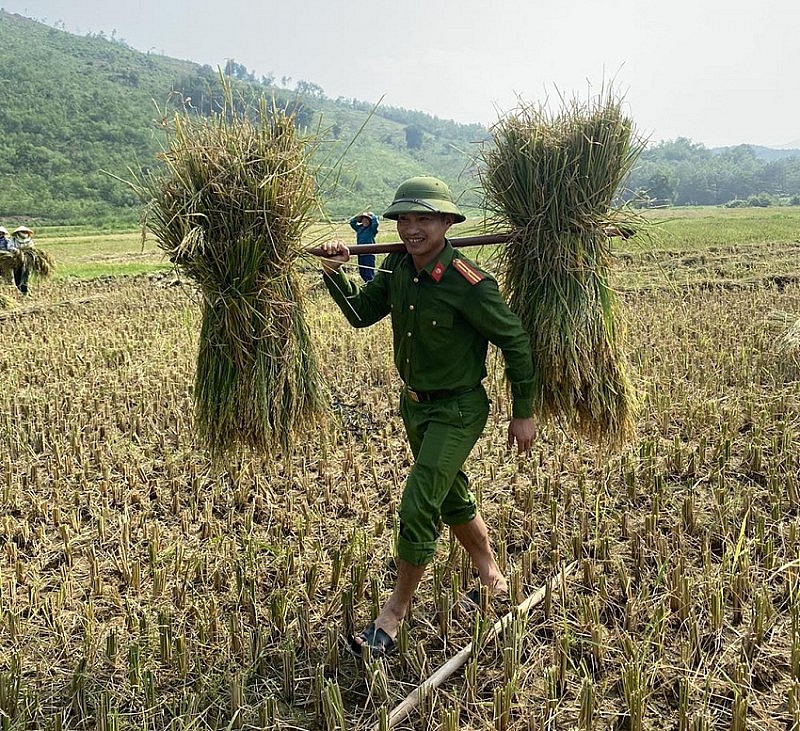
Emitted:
pixel 411 701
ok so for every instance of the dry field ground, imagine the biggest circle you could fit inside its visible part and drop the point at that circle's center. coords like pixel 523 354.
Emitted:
pixel 142 589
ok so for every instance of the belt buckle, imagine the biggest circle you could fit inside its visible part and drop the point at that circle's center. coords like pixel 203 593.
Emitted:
pixel 413 395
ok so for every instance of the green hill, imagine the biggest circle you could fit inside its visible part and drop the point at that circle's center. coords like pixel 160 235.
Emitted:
pixel 81 111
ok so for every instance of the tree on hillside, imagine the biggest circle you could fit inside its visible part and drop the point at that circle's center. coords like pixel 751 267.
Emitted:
pixel 658 189
pixel 199 90
pixel 306 88
pixel 238 71
pixel 91 104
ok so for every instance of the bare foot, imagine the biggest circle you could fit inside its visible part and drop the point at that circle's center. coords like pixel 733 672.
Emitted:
pixel 497 585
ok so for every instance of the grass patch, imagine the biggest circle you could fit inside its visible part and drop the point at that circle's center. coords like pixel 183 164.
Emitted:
pixel 93 270
pixel 681 229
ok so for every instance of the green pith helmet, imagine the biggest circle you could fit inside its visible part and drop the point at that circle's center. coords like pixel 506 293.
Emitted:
pixel 423 195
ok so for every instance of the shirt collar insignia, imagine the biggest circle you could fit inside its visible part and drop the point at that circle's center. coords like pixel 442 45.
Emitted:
pixel 436 270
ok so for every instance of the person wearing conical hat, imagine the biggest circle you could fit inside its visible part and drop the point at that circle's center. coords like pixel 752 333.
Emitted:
pixel 445 310
pixel 21 238
pixel 5 241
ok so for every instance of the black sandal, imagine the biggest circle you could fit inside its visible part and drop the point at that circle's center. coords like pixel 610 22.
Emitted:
pixel 376 639
pixel 470 602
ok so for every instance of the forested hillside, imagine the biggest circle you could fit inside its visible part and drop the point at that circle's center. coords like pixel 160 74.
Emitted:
pixel 72 108
pixel 682 173
pixel 81 112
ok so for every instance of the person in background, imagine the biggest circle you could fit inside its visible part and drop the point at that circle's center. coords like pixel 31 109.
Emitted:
pixel 445 310
pixel 5 246
pixel 366 227
pixel 21 237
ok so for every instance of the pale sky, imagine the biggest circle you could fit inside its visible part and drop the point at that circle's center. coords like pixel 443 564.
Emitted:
pixel 720 72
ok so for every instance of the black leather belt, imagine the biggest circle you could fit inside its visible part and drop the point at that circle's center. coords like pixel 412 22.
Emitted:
pixel 423 397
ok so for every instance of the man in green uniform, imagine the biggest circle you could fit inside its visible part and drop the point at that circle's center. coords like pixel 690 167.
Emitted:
pixel 445 310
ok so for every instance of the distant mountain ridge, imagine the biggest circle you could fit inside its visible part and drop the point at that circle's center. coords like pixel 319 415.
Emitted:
pixel 766 153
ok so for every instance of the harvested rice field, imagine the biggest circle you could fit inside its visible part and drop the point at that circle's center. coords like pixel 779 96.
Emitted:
pixel 143 588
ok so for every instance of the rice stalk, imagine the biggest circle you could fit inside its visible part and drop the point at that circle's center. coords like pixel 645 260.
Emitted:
pixel 229 206
pixel 552 179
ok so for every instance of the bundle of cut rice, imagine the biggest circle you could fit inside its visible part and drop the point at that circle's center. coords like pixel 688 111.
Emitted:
pixel 789 339
pixel 229 207
pixel 36 261
pixel 32 259
pixel 790 342
pixel 552 179
pixel 8 263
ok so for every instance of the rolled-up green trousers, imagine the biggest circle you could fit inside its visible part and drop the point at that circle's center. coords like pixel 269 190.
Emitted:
pixel 441 433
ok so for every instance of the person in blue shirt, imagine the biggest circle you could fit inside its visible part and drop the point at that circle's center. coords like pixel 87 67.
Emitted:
pixel 21 238
pixel 366 227
pixel 5 247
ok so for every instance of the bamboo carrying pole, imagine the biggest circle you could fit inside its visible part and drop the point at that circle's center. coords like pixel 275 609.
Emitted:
pixel 403 709
pixel 483 240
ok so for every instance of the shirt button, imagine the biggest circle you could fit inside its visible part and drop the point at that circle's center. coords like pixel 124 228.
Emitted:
pixel 434 323
pixel 416 280
pixel 408 335
pixel 411 307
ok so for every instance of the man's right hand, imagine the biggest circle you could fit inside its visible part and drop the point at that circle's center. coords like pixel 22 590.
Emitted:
pixel 336 253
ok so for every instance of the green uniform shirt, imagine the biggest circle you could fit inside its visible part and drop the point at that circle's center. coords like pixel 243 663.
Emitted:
pixel 442 322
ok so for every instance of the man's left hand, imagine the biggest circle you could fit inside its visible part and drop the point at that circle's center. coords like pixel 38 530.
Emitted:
pixel 523 432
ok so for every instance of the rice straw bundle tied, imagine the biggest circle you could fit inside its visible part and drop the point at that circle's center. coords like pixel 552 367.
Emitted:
pixel 229 208
pixel 33 260
pixel 552 179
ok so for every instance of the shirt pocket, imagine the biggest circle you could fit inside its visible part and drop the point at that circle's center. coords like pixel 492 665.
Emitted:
pixel 435 324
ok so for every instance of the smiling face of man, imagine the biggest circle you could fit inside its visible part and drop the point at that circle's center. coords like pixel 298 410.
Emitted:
pixel 423 235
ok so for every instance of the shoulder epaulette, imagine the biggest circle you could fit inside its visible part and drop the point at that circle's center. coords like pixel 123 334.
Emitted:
pixel 469 272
